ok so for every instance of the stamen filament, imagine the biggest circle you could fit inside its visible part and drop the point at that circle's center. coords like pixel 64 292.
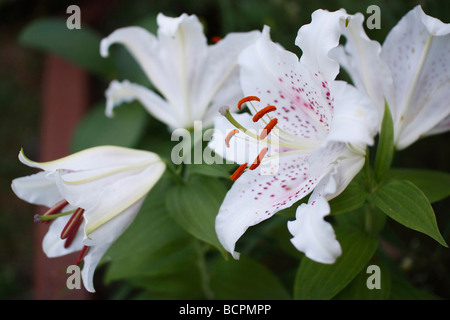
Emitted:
pixel 229 136
pixel 258 159
pixel 247 99
pixel 238 125
pixel 262 112
pixel 238 172
pixel 268 128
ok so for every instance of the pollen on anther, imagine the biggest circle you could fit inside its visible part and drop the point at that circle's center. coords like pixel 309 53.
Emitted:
pixel 82 254
pixel 262 112
pixel 268 128
pixel 247 99
pixel 258 159
pixel 229 136
pixel 238 172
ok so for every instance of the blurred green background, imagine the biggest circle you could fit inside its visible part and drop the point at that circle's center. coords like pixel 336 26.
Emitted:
pixel 425 262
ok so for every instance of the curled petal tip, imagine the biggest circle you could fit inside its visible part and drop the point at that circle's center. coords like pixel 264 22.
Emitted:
pixel 104 48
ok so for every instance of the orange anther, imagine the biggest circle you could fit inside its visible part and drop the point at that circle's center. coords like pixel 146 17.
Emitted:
pixel 216 39
pixel 229 136
pixel 258 159
pixel 82 254
pixel 262 112
pixel 238 172
pixel 247 99
pixel 268 128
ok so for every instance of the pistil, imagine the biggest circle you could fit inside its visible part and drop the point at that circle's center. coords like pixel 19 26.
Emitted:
pixel 56 209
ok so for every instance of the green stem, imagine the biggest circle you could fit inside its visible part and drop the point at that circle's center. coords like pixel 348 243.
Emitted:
pixel 368 173
pixel 201 249
pixel 176 174
pixel 368 220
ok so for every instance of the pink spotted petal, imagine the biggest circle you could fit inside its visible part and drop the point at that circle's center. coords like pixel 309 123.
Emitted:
pixel 302 98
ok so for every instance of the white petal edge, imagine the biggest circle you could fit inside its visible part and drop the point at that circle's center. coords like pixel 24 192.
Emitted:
pixel 125 91
pixel 37 189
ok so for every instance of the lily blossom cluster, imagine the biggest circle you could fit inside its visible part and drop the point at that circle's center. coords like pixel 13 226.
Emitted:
pixel 319 128
pixel 293 128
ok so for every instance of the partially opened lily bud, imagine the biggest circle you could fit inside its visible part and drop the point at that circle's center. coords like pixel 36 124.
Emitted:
pixel 93 196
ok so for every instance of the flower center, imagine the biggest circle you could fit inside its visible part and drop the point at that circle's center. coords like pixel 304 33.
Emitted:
pixel 259 115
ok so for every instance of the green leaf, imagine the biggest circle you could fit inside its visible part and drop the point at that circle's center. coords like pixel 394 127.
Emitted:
pixel 79 46
pixel 245 279
pixel 316 281
pixel 358 289
pixel 194 207
pixel 353 197
pixel 401 289
pixel 212 170
pixel 368 218
pixel 124 129
pixel 434 184
pixel 385 149
pixel 404 202
pixel 154 253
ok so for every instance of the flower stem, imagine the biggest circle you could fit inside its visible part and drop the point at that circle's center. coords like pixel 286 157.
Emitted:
pixel 201 249
pixel 175 173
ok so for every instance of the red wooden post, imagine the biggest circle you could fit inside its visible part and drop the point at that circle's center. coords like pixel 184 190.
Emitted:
pixel 65 98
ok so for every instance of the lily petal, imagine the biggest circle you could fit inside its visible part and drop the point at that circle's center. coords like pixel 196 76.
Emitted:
pixel 125 91
pixel 441 127
pixel 275 76
pixel 102 195
pixel 53 245
pixel 361 58
pixel 37 189
pixel 318 38
pixel 91 260
pixel 355 117
pixel 218 83
pixel 96 157
pixel 146 49
pixel 312 234
pixel 255 197
pixel 416 50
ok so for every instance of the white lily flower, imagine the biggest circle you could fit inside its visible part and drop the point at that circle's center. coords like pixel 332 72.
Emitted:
pixel 410 71
pixel 317 136
pixel 93 196
pixel 193 78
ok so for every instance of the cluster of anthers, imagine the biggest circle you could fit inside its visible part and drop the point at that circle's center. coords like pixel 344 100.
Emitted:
pixel 264 133
pixel 70 229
